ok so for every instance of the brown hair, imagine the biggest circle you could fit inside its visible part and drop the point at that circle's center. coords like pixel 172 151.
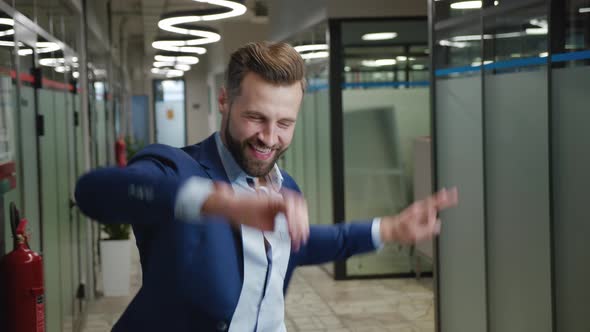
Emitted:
pixel 276 63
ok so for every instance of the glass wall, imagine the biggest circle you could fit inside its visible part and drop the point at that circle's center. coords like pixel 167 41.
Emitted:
pixel 9 151
pixel 308 159
pixel 41 144
pixel 509 123
pixel 570 78
pixel 385 106
pixel 517 183
pixel 169 109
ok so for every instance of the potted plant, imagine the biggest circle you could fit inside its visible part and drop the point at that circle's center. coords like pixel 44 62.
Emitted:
pixel 115 254
pixel 115 247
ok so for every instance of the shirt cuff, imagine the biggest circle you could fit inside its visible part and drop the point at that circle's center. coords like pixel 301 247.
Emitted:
pixel 190 199
pixel 376 233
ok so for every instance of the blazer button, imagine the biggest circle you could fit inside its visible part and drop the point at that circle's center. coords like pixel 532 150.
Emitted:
pixel 222 326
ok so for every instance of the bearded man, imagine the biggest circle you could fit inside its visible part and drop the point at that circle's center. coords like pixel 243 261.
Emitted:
pixel 219 227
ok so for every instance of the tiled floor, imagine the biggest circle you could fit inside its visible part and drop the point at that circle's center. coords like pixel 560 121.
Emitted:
pixel 316 303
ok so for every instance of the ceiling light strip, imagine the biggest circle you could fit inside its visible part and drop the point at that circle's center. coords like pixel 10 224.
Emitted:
pixel 173 45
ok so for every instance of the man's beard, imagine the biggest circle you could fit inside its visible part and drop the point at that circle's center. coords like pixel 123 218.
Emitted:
pixel 252 167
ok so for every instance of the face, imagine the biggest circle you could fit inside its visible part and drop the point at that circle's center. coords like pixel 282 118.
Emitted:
pixel 258 126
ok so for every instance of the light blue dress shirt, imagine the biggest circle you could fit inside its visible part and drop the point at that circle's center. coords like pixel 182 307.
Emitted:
pixel 261 303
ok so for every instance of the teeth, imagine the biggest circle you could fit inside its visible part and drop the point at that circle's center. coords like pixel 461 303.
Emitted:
pixel 261 150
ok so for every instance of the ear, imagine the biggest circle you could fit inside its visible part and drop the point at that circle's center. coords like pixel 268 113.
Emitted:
pixel 223 101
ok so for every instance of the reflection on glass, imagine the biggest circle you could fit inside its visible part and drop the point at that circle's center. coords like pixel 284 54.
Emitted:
pixel 385 108
pixel 7 143
pixel 446 9
pixel 524 36
pixel 11 177
pixel 572 36
pixel 398 62
pixel 458 46
pixel 9 192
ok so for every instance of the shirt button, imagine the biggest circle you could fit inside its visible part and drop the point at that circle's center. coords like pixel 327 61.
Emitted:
pixel 222 326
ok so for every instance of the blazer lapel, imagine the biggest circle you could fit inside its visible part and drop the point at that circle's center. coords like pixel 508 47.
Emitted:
pixel 208 157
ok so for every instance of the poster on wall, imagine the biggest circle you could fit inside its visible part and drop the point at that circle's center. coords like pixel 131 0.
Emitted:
pixel 7 169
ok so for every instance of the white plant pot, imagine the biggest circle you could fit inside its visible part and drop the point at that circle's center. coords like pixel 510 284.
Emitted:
pixel 116 266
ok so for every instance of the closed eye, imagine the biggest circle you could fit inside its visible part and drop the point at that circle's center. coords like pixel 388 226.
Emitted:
pixel 254 117
pixel 285 124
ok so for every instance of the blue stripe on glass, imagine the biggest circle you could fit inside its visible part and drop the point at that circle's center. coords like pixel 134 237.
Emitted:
pixel 455 70
pixel 516 63
pixel 320 87
pixel 384 84
pixel 316 87
pixel 534 61
pixel 572 56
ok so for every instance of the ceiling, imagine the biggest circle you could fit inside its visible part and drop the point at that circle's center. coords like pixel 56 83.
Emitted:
pixel 140 17
pixel 408 32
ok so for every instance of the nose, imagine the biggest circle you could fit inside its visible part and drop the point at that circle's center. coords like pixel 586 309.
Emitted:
pixel 268 135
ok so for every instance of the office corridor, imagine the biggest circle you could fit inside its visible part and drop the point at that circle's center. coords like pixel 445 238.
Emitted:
pixel 317 303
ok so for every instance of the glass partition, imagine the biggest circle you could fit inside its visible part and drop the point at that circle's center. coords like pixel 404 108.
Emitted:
pixel 9 175
pixel 308 159
pixel 570 79
pixel 517 187
pixel 510 114
pixel 42 85
pixel 169 109
pixel 385 105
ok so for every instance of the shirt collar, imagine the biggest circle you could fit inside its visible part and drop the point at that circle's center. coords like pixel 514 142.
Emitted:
pixel 235 172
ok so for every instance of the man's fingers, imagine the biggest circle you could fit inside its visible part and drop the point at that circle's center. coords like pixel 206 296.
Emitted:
pixel 266 225
pixel 297 218
pixel 291 219
pixel 446 198
pixel 431 213
pixel 276 204
pixel 304 220
pixel 307 224
pixel 437 227
pixel 265 208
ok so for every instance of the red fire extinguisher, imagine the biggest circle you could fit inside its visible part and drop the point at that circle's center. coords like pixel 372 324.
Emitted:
pixel 22 271
pixel 121 152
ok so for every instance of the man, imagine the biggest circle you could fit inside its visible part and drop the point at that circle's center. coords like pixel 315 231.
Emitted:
pixel 219 227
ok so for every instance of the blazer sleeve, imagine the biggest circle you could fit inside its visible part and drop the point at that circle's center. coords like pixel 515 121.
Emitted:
pixel 142 193
pixel 328 243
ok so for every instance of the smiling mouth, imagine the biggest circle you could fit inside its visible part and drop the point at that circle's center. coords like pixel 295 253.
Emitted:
pixel 261 152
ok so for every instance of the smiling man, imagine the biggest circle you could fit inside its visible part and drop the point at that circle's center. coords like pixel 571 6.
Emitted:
pixel 219 227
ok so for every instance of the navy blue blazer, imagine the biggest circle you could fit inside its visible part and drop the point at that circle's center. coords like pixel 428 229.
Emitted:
pixel 192 273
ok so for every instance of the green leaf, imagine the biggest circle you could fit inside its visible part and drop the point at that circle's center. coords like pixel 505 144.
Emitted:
pixel 117 231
